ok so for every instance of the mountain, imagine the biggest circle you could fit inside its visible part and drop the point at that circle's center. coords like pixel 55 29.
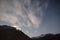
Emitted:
pixel 48 37
pixel 11 33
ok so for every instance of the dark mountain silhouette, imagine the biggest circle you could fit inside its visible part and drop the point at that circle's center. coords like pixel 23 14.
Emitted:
pixel 48 37
pixel 10 33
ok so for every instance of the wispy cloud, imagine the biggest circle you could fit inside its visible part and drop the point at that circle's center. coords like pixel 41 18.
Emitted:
pixel 9 18
pixel 24 13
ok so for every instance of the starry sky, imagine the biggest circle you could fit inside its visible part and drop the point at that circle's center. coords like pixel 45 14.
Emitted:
pixel 33 17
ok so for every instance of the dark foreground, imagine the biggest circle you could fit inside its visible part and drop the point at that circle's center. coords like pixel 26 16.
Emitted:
pixel 10 33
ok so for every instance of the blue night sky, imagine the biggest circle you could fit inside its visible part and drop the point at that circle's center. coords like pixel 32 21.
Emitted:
pixel 33 17
pixel 51 19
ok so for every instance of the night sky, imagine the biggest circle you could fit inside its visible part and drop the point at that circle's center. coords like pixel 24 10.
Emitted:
pixel 51 18
pixel 33 17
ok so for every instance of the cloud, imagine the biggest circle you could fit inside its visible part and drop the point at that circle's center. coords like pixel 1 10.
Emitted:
pixel 24 13
pixel 18 13
pixel 9 18
pixel 35 21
